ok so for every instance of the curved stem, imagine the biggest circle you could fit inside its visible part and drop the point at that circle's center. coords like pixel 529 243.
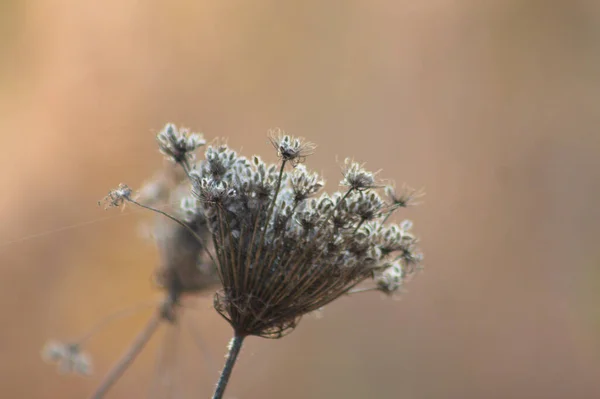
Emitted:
pixel 234 350
pixel 134 350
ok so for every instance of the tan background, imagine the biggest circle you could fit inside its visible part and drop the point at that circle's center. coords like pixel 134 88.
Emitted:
pixel 492 106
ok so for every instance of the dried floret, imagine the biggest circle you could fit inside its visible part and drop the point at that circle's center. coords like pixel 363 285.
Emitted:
pixel 178 145
pixel 356 176
pixel 293 149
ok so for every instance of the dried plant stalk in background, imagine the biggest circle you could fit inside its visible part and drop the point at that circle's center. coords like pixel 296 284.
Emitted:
pixel 280 248
pixel 183 271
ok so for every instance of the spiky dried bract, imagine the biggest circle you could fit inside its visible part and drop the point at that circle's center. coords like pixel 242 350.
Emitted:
pixel 280 251
pixel 292 149
pixel 68 357
pixel 356 176
pixel 178 144
pixel 404 198
pixel 117 197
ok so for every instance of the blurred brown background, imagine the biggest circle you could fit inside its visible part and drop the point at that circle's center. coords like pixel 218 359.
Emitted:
pixel 491 106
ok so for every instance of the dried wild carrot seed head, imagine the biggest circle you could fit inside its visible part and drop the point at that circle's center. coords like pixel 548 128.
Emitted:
pixel 280 251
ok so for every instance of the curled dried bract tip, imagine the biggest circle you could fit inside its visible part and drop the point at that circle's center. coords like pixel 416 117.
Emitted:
pixel 117 197
pixel 178 145
pixel 289 148
pixel 356 177
pixel 68 357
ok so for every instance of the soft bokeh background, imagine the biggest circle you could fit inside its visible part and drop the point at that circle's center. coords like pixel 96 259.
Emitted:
pixel 492 106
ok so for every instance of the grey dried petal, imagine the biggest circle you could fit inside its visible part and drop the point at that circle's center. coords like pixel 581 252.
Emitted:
pixel 405 197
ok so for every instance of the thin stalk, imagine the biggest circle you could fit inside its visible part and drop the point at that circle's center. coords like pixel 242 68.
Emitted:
pixel 390 213
pixel 259 272
pixel 196 335
pixel 279 178
pixel 359 290
pixel 234 350
pixel 186 168
pixel 134 350
pixel 250 248
pixel 129 311
pixel 337 206
pixel 358 226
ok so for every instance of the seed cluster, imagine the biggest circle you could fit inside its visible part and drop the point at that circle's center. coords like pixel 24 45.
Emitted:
pixel 282 248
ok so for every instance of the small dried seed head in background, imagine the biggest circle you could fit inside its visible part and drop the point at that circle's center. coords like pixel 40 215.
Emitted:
pixel 68 357
pixel 404 198
pixel 117 197
pixel 183 267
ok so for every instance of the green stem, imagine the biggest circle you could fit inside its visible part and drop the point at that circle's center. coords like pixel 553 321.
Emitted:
pixel 234 350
